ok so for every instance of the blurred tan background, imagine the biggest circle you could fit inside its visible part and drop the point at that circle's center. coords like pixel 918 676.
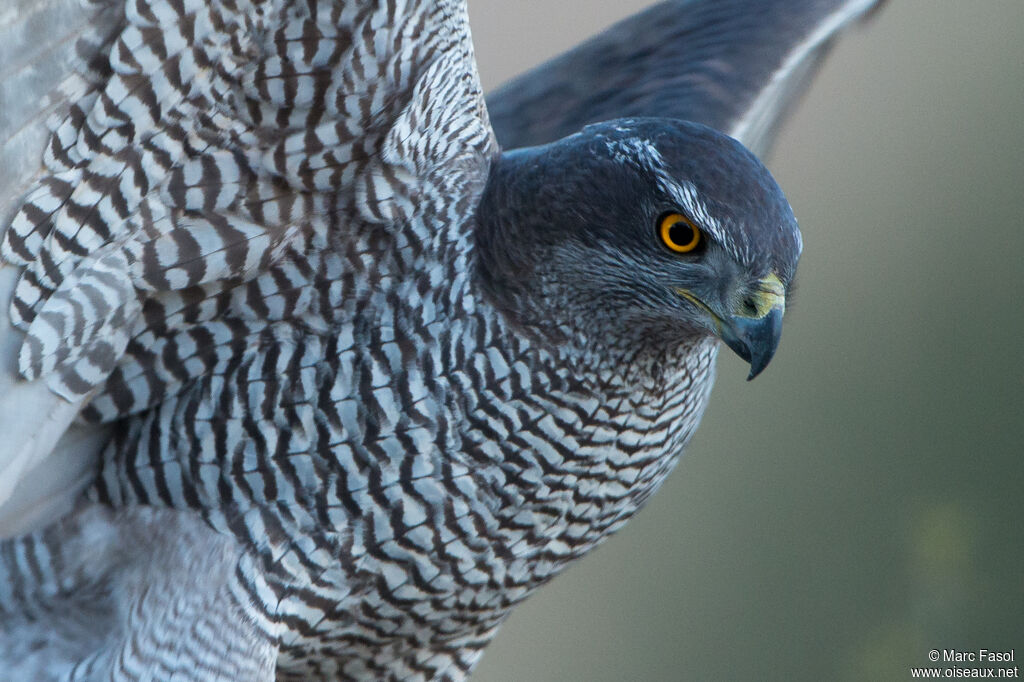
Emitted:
pixel 861 502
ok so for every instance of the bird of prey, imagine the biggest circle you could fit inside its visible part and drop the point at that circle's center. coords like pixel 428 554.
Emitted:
pixel 316 363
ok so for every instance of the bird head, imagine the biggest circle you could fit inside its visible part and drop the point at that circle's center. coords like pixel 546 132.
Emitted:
pixel 648 232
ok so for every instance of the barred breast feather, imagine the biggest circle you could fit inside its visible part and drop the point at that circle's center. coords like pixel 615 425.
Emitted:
pixel 200 155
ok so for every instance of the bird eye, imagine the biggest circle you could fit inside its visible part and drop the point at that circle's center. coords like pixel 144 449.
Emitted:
pixel 679 233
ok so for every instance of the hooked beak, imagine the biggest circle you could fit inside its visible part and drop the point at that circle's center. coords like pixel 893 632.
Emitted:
pixel 754 340
pixel 754 331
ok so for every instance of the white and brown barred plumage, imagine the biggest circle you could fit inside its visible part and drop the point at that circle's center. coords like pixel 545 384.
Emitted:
pixel 339 409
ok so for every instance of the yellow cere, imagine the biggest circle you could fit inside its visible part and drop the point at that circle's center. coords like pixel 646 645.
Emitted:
pixel 769 294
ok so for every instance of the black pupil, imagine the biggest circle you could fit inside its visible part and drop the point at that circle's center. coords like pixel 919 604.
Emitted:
pixel 681 234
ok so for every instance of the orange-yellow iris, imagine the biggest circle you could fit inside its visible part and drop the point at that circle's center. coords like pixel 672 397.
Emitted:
pixel 679 233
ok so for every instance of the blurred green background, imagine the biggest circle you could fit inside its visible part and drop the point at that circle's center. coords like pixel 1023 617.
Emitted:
pixel 860 503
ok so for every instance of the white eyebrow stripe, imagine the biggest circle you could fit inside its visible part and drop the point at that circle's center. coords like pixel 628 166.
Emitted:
pixel 636 151
pixel 688 199
pixel 644 155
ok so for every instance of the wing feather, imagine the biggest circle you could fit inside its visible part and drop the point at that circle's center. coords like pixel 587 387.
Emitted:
pixel 734 65
pixel 50 74
pixel 199 161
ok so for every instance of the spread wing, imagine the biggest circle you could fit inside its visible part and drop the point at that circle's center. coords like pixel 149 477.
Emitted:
pixel 48 73
pixel 173 174
pixel 735 65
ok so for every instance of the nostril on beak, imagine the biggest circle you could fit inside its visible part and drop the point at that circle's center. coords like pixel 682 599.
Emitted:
pixel 750 307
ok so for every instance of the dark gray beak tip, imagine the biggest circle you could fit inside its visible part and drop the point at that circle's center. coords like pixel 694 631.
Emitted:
pixel 754 340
